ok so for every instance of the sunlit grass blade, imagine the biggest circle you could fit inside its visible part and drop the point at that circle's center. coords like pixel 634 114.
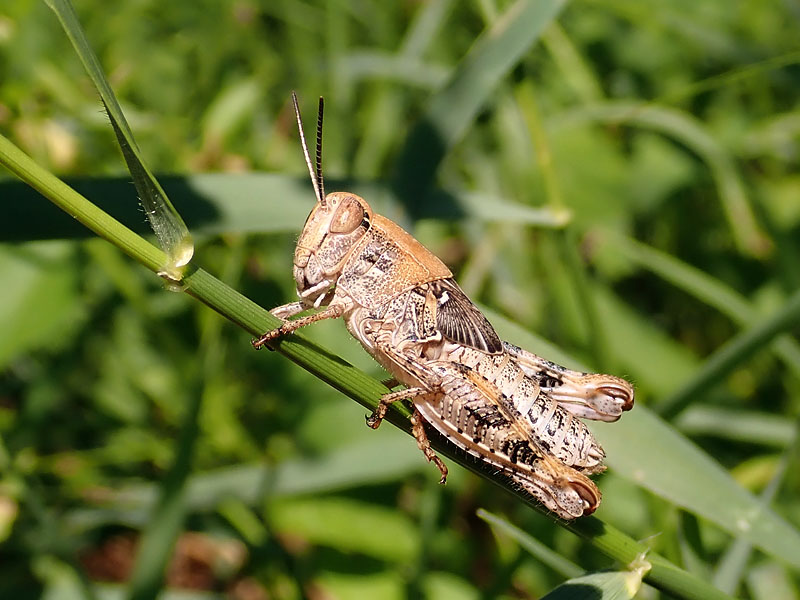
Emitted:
pixel 544 554
pixel 648 451
pixel 171 231
pixel 62 580
pixel 46 292
pixel 730 568
pixel 451 111
pixel 615 585
pixel 426 27
pixel 722 362
pixel 734 424
pixel 749 237
pixel 769 581
pixel 705 288
pixel 408 70
pixel 354 526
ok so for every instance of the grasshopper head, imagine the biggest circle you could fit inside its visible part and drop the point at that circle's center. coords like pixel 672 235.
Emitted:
pixel 330 235
pixel 336 224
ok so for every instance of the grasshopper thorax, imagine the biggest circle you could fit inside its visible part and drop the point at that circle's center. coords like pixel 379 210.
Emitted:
pixel 330 235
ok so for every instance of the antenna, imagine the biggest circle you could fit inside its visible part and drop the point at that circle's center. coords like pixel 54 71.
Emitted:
pixel 311 171
pixel 320 181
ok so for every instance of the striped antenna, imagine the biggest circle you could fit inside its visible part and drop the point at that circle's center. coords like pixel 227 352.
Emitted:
pixel 319 147
pixel 311 171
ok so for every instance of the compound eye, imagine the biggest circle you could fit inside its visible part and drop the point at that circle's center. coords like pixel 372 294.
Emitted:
pixel 348 216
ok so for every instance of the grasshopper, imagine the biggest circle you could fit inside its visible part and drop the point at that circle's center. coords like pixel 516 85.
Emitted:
pixel 506 406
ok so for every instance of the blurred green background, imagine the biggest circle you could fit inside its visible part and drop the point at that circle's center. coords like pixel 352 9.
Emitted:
pixel 668 130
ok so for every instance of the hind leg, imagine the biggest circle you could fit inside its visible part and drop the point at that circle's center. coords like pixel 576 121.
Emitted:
pixel 374 420
pixel 418 429
pixel 417 424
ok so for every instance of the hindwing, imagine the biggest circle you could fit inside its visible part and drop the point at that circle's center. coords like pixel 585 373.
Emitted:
pixel 460 320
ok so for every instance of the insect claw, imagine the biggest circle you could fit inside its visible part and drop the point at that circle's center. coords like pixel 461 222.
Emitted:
pixel 262 341
pixel 373 421
pixel 442 468
pixel 259 343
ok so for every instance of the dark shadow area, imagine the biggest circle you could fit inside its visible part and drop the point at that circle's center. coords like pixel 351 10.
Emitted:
pixel 30 216
pixel 413 183
pixel 575 591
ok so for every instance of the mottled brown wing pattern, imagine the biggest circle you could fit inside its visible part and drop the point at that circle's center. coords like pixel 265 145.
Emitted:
pixel 473 414
pixel 547 423
pixel 476 415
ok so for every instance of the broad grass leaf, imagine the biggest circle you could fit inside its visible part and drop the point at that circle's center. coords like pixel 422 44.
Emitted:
pixel 616 585
pixel 348 525
pixel 214 203
pixel 43 305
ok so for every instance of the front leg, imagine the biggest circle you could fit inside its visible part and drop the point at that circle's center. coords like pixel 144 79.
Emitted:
pixel 331 312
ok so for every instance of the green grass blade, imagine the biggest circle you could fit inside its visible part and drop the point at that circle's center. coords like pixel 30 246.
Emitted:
pixel 722 362
pixel 741 425
pixel 646 450
pixel 616 585
pixel 705 288
pixel 543 553
pixel 166 522
pixel 694 281
pixel 451 111
pixel 46 292
pixel 62 580
pixel 406 70
pixel 680 126
pixel 426 27
pixel 215 203
pixel 171 231
pixel 731 567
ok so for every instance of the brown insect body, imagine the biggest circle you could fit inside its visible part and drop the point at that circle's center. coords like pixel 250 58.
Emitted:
pixel 504 405
pixel 494 433
pixel 414 332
